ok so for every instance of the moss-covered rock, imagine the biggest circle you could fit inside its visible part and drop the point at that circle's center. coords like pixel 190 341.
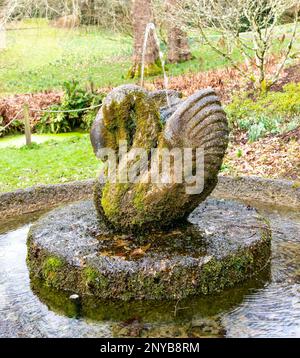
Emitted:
pixel 224 244
pixel 152 69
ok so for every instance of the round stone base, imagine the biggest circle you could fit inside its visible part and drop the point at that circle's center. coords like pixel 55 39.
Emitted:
pixel 223 243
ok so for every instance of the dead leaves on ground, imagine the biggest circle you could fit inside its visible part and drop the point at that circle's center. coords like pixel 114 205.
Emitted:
pixel 125 249
pixel 224 81
pixel 140 251
pixel 273 157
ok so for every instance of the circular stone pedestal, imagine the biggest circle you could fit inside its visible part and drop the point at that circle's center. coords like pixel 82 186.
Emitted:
pixel 224 243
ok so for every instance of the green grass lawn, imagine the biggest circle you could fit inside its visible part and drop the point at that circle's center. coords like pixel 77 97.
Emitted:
pixel 39 57
pixel 42 58
pixel 18 141
pixel 54 161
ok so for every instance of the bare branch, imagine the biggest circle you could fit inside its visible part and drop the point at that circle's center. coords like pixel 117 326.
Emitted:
pixel 288 51
pixel 249 26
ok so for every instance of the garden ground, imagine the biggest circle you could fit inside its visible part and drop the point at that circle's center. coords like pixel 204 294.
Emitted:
pixel 40 57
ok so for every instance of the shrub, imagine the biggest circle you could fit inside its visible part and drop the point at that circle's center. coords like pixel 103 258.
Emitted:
pixel 14 127
pixel 272 113
pixel 75 98
pixel 259 126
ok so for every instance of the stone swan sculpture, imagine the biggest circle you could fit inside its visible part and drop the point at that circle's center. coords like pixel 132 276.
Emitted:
pixel 145 120
pixel 133 250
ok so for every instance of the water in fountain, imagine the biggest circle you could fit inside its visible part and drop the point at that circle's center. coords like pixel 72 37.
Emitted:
pixel 151 27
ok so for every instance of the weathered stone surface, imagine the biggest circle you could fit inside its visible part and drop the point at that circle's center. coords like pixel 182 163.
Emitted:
pixel 131 113
pixel 261 191
pixel 41 197
pixel 224 244
pixel 159 98
pixel 250 189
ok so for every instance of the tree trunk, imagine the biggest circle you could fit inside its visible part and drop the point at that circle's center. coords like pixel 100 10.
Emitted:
pixel 88 13
pixel 179 50
pixel 142 15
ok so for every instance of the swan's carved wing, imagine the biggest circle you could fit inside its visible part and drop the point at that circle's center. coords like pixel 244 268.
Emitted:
pixel 200 122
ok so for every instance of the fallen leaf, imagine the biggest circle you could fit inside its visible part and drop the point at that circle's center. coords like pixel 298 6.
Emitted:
pixel 140 251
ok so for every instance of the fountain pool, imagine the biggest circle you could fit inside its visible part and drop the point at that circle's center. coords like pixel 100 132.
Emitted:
pixel 267 306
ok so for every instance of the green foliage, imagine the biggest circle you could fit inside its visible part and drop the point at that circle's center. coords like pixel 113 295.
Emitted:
pixel 14 127
pixel 75 98
pixel 285 103
pixel 88 118
pixel 57 55
pixel 260 125
pixel 271 113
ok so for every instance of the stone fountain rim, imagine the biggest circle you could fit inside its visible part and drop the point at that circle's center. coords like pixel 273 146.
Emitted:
pixel 277 192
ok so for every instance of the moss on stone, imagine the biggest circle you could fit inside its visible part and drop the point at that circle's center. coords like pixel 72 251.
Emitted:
pixel 152 69
pixel 296 185
pixel 109 204
pixel 139 197
pixel 134 118
pixel 93 280
pixel 52 264
pixel 90 275
pixel 51 267
pixel 112 195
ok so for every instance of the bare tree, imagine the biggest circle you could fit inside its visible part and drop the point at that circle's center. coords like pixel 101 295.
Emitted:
pixel 6 10
pixel 142 15
pixel 109 14
pixel 228 18
pixel 178 46
pixel 19 9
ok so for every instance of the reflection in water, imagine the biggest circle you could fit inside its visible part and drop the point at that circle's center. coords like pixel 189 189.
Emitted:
pixel 275 310
pixel 21 312
pixel 266 306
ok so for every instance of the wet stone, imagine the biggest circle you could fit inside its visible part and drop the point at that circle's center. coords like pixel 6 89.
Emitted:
pixel 222 244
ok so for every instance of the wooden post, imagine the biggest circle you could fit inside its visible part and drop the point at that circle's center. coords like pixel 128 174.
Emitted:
pixel 27 124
